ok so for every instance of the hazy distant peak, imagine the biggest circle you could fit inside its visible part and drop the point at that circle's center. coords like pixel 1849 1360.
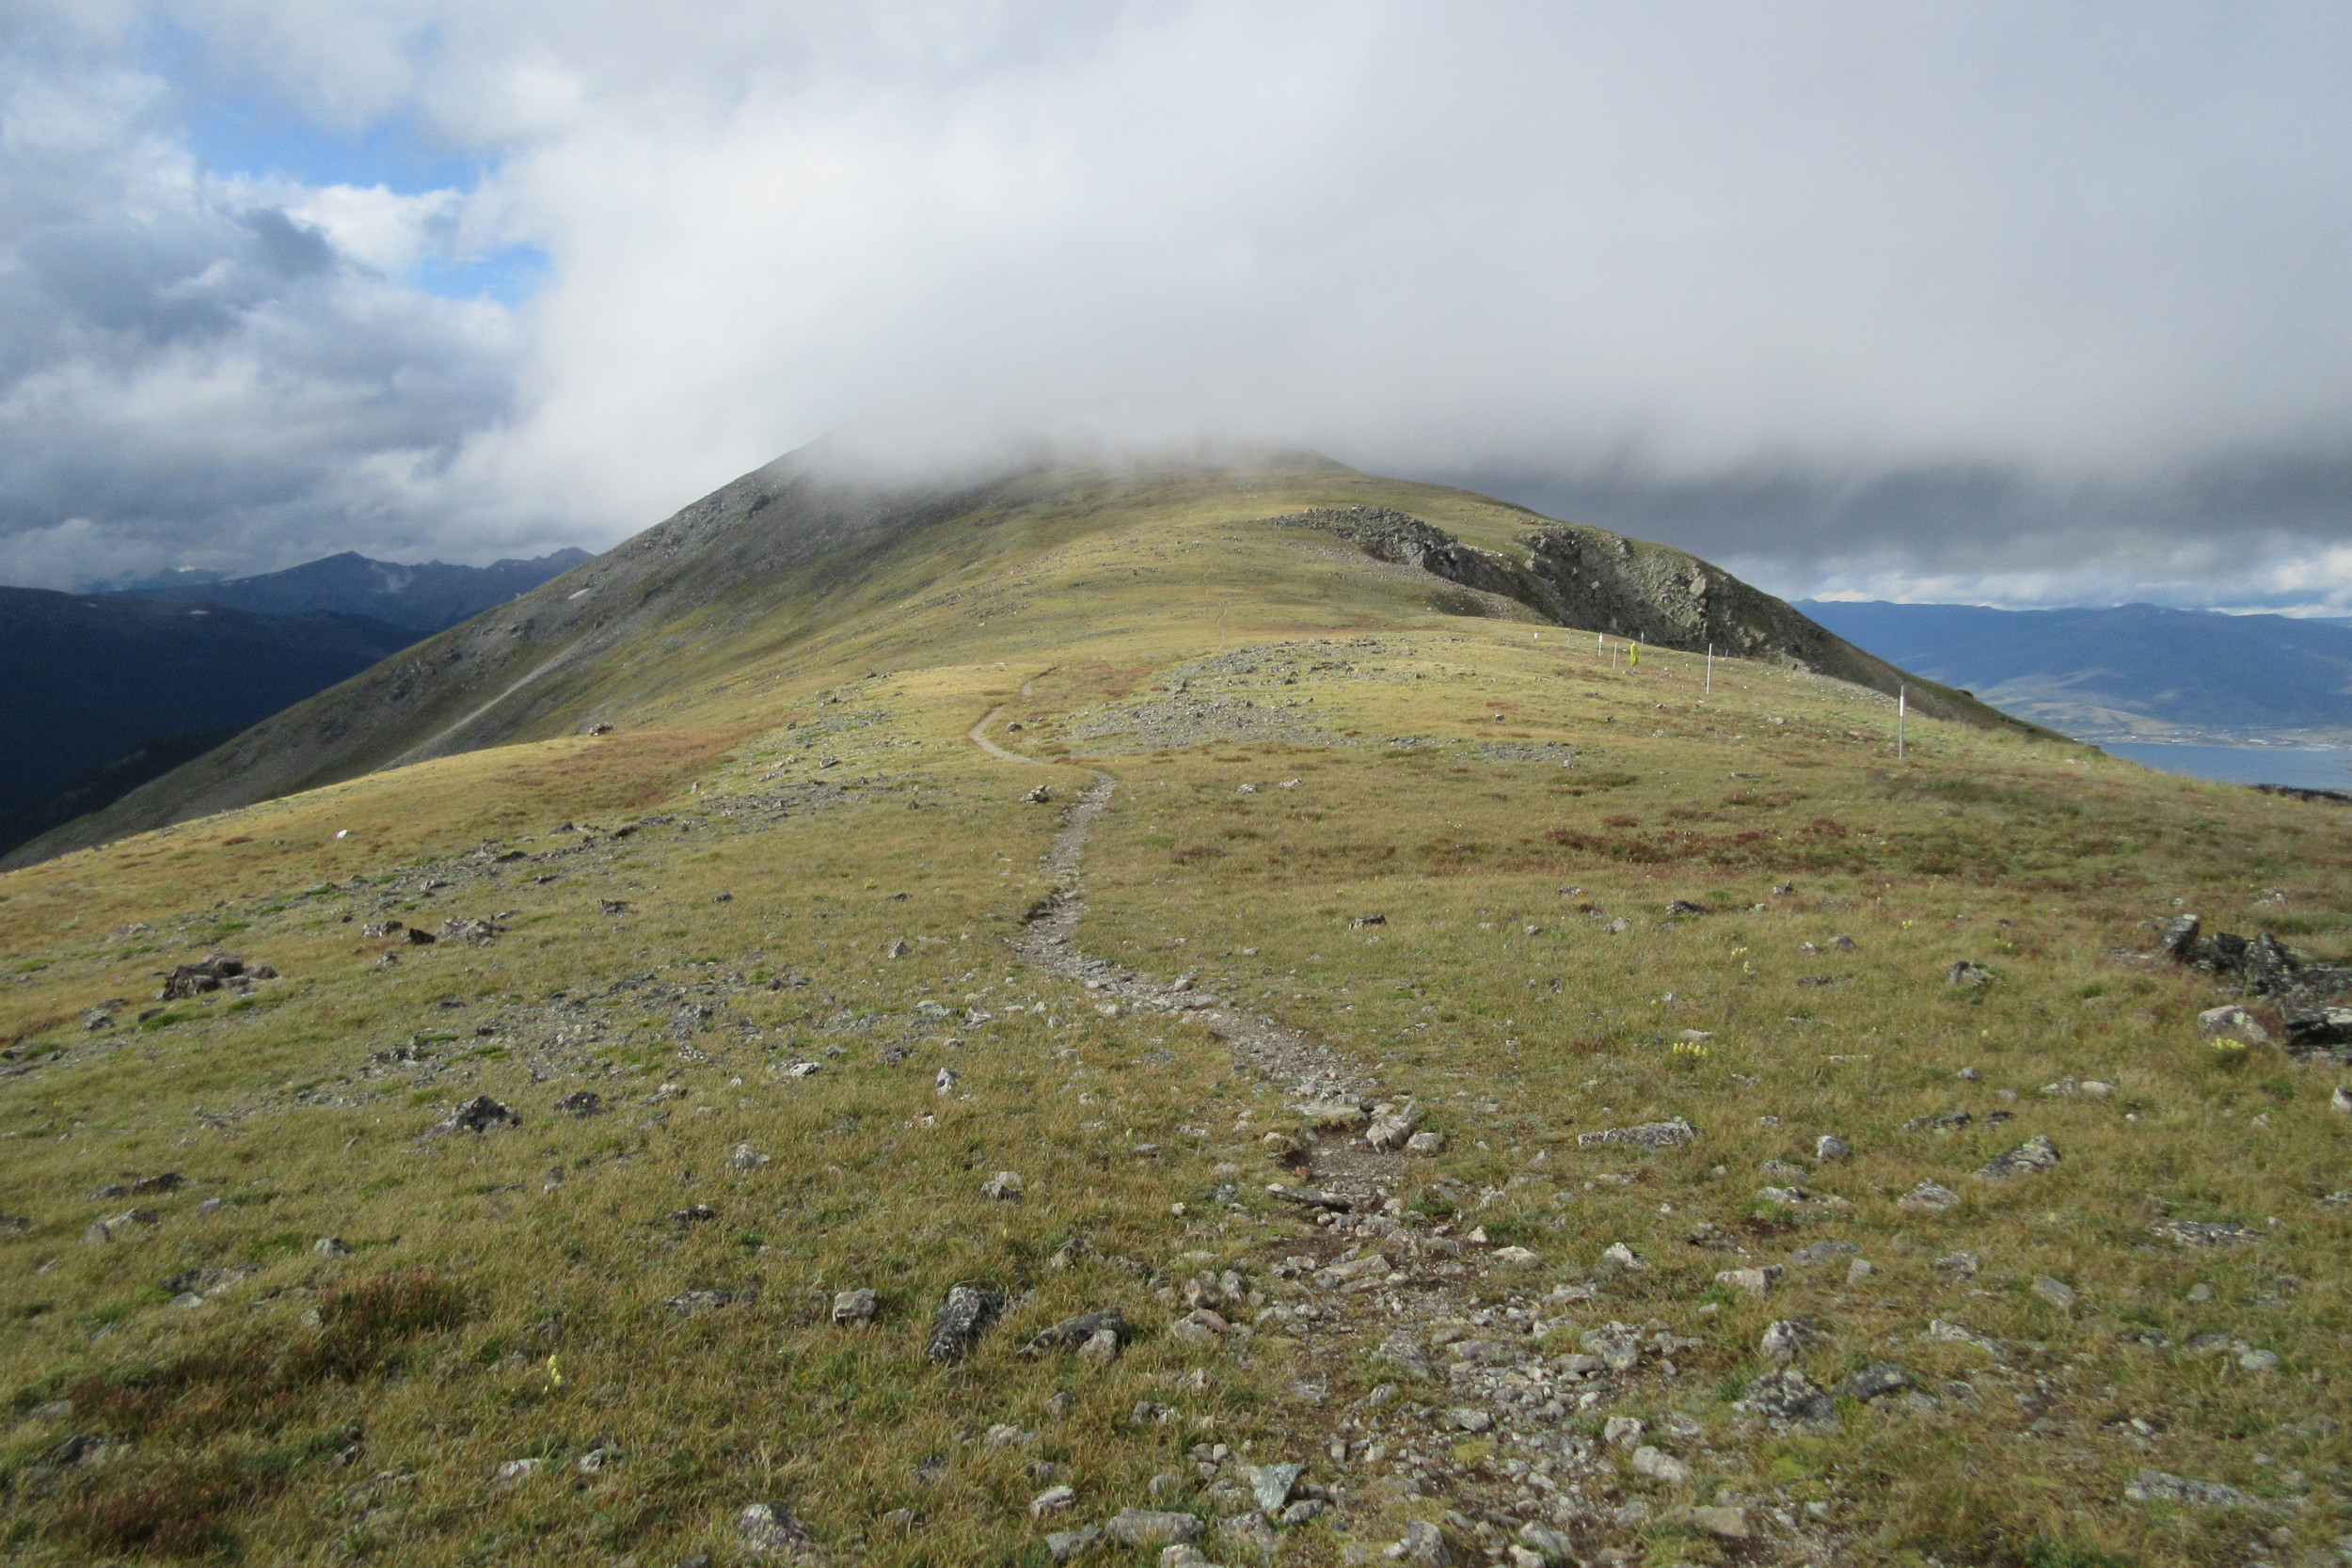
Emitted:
pixel 424 598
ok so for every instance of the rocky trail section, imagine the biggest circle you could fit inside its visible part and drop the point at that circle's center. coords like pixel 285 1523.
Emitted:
pixel 1477 1426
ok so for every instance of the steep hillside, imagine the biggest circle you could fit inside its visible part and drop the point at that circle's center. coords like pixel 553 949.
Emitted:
pixel 797 563
pixel 424 598
pixel 91 678
pixel 2132 673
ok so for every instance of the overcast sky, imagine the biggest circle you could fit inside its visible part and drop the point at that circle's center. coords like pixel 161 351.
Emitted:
pixel 2017 303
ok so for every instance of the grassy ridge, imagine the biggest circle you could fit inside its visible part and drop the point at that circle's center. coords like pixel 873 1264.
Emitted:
pixel 554 1292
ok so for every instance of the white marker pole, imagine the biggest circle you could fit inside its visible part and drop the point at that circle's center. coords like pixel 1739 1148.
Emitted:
pixel 1902 709
pixel 1710 668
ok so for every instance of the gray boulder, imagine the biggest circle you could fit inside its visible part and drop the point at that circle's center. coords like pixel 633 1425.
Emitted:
pixel 965 1315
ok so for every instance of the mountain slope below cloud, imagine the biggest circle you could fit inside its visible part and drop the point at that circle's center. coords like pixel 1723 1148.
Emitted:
pixel 802 556
pixel 424 598
pixel 92 678
pixel 2132 673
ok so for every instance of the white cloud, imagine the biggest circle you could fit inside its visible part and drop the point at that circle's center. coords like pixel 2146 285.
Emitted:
pixel 1965 295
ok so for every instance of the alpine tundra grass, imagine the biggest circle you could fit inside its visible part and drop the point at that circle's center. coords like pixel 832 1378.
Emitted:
pixel 741 970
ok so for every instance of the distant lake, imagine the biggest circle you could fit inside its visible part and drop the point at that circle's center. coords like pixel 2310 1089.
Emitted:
pixel 2305 768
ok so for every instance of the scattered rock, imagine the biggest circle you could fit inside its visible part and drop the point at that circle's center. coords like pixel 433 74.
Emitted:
pixel 1308 1198
pixel 1042 795
pixel 961 1319
pixel 2154 1487
pixel 1005 1186
pixel 331 1247
pixel 1618 1345
pixel 1943 1333
pixel 1652 1134
pixel 1054 1500
pixel 1551 1546
pixel 582 1103
pixel 1469 1418
pixel 1434 1143
pixel 1963 972
pixel 1272 1485
pixel 1393 1126
pixel 1959 1266
pixel 2231 1023
pixel 768 1530
pixel 946 1081
pixel 131 1222
pixel 1623 1256
pixel 479 1115
pixel 854 1308
pixel 1756 1282
pixel 1068 1545
pixel 1831 1147
pixel 1659 1466
pixel 1249 1531
pixel 199 1283
pixel 213 972
pixel 1363 920
pixel 2056 1291
pixel 1420 1546
pixel 1332 1115
pixel 2037 1153
pixel 1877 1380
pixel 1789 1339
pixel 1723 1524
pixel 1143 1527
pixel 1080 1330
pixel 746 1158
pixel 2200 1233
pixel 1929 1196
pixel 473 933
pixel 1399 1350
pixel 1816 1253
pixel 1788 1398
pixel 693 1304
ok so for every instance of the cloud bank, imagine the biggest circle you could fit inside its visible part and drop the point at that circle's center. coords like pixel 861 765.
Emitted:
pixel 1976 301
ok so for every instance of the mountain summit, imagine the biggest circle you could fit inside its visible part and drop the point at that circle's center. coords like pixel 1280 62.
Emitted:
pixel 805 559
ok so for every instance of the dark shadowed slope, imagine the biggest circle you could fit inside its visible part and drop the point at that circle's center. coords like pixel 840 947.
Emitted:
pixel 2135 672
pixel 424 598
pixel 90 678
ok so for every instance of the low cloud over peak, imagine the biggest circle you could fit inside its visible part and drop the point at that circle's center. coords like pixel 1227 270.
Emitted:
pixel 2000 300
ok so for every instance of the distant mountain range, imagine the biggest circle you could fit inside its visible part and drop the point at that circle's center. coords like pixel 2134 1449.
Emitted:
pixel 108 690
pixel 2132 672
pixel 425 600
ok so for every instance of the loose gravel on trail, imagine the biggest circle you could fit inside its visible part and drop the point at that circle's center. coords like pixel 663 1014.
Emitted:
pixel 1480 1418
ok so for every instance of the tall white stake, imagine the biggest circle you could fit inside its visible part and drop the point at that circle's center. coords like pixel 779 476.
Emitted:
pixel 1710 668
pixel 1902 709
